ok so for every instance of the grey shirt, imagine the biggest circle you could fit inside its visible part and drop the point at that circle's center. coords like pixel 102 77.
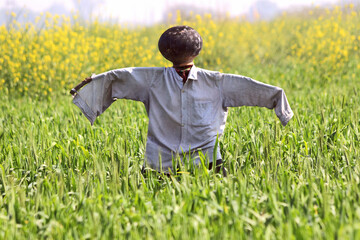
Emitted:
pixel 183 119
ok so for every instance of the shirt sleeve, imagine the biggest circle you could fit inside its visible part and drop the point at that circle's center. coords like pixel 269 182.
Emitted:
pixel 243 91
pixel 129 83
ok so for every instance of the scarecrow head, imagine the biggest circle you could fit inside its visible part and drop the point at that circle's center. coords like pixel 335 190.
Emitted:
pixel 180 44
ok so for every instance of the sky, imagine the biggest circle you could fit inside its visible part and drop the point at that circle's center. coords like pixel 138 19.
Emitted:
pixel 146 11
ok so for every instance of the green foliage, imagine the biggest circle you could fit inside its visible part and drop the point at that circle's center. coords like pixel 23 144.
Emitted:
pixel 62 178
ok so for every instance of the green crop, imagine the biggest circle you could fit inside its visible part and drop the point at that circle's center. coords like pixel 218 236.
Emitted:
pixel 61 178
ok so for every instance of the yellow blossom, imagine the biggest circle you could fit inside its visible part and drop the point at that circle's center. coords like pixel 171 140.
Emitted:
pixel 63 52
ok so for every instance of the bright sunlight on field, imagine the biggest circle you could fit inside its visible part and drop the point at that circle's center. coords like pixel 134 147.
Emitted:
pixel 61 178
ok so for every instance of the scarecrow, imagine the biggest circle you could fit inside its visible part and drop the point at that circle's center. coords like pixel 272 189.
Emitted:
pixel 187 106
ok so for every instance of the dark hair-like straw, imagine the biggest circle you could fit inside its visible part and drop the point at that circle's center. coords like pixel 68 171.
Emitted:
pixel 180 44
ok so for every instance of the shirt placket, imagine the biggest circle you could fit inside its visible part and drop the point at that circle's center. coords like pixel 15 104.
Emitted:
pixel 183 96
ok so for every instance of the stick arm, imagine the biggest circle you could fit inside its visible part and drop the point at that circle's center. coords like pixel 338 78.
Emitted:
pixel 80 85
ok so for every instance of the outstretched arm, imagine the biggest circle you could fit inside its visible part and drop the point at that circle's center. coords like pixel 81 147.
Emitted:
pixel 243 91
pixel 129 83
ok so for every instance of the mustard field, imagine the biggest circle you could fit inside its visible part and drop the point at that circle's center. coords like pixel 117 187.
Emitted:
pixel 56 52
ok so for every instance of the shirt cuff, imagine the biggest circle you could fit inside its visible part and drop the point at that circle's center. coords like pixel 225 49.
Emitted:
pixel 89 114
pixel 286 118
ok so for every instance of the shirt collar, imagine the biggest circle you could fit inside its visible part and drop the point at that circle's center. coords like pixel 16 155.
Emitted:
pixel 193 73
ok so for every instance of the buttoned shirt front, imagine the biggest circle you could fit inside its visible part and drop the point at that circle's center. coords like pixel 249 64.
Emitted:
pixel 182 119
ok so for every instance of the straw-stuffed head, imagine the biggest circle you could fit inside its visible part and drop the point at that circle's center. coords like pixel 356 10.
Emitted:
pixel 180 44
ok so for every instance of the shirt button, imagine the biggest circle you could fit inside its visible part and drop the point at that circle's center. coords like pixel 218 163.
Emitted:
pixel 182 91
pixel 182 125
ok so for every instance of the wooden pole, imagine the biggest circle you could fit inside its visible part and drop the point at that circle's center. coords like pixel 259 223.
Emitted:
pixel 80 85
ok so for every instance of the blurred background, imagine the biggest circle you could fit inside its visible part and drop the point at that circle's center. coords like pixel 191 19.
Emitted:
pixel 143 12
pixel 48 46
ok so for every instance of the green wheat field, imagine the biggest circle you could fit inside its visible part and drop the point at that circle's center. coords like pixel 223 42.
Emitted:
pixel 61 178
